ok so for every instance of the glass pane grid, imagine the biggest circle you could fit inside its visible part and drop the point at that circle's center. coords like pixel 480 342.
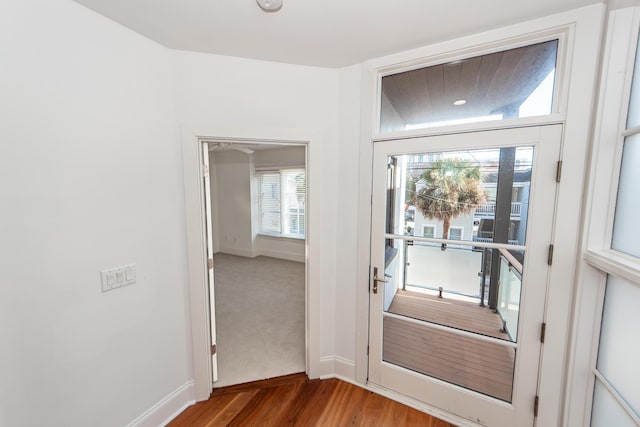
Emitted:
pixel 619 349
pixel 609 407
pixel 626 232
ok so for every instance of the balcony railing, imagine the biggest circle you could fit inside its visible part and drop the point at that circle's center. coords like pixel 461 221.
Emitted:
pixel 490 209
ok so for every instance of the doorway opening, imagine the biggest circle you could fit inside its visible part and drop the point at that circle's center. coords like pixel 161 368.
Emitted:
pixel 255 204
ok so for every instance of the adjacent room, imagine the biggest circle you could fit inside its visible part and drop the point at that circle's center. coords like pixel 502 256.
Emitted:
pixel 258 194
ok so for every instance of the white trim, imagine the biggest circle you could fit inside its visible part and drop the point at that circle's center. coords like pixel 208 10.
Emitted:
pixel 577 65
pixel 194 209
pixel 615 83
pixel 289 256
pixel 167 408
pixel 339 367
pixel 616 396
pixel 238 252
pixel 616 263
pixel 551 119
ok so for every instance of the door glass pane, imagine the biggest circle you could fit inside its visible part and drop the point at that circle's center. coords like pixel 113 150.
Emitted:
pixel 633 118
pixel 626 232
pixel 464 274
pixel 513 83
pixel 459 190
pixel 607 412
pixel 619 350
pixel 452 309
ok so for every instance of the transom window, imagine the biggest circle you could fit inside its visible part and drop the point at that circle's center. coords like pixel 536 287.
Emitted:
pixel 281 202
pixel 502 85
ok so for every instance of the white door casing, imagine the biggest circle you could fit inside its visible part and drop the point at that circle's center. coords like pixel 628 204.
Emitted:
pixel 206 173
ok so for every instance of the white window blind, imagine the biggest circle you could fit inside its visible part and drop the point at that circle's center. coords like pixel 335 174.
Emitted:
pixel 282 202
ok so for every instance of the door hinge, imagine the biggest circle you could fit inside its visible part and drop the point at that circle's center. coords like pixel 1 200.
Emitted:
pixel 536 404
pixel 559 171
pixel 543 331
pixel 367 350
pixel 213 349
pixel 550 255
pixel 205 171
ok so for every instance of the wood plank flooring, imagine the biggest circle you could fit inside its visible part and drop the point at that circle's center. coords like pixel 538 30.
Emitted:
pixel 294 400
pixel 482 366
pixel 458 314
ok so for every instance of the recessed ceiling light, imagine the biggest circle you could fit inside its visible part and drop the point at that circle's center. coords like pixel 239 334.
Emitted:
pixel 460 102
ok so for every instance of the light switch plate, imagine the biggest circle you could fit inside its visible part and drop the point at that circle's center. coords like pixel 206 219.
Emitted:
pixel 117 277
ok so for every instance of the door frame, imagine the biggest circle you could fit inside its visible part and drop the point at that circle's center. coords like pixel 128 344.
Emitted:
pixel 578 67
pixel 197 253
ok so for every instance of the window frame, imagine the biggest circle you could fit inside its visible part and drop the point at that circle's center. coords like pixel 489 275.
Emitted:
pixel 599 258
pixel 560 89
pixel 432 226
pixel 283 213
pixel 456 227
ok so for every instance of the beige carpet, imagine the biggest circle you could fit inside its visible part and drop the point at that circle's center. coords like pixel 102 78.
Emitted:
pixel 260 318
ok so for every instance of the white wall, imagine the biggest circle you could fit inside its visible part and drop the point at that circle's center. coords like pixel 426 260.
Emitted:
pixel 348 162
pixel 252 98
pixel 231 176
pixel 90 178
pixel 280 157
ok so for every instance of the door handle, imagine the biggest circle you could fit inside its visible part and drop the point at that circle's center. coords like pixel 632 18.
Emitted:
pixel 376 279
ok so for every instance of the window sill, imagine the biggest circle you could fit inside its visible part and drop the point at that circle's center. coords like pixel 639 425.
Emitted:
pixel 614 262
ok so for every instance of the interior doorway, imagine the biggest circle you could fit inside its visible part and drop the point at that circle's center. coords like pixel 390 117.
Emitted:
pixel 255 208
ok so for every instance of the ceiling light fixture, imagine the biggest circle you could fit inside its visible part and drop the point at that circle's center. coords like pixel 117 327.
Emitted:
pixel 460 102
pixel 270 5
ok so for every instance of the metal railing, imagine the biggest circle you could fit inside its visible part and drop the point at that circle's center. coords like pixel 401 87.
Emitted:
pixel 490 209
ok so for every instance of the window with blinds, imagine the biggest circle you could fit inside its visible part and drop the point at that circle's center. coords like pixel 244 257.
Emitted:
pixel 281 202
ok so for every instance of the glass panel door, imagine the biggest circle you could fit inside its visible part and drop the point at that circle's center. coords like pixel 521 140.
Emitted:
pixel 457 305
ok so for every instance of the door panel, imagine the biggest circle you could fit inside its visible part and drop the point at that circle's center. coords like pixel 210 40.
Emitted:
pixel 464 256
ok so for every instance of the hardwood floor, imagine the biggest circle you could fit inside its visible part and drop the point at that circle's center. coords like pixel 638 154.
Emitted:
pixel 294 400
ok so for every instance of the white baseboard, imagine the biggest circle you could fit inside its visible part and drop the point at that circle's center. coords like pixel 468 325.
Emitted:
pixel 167 408
pixel 238 252
pixel 338 367
pixel 289 256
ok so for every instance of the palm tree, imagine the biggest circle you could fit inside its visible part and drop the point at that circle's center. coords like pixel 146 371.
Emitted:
pixel 452 188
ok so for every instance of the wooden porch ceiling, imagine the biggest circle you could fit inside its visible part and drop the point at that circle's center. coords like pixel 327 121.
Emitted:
pixel 491 84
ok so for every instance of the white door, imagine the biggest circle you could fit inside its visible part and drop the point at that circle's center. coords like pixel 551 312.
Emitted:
pixel 457 322
pixel 209 240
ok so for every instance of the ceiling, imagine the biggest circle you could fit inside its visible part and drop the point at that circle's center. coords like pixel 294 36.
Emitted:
pixel 327 33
